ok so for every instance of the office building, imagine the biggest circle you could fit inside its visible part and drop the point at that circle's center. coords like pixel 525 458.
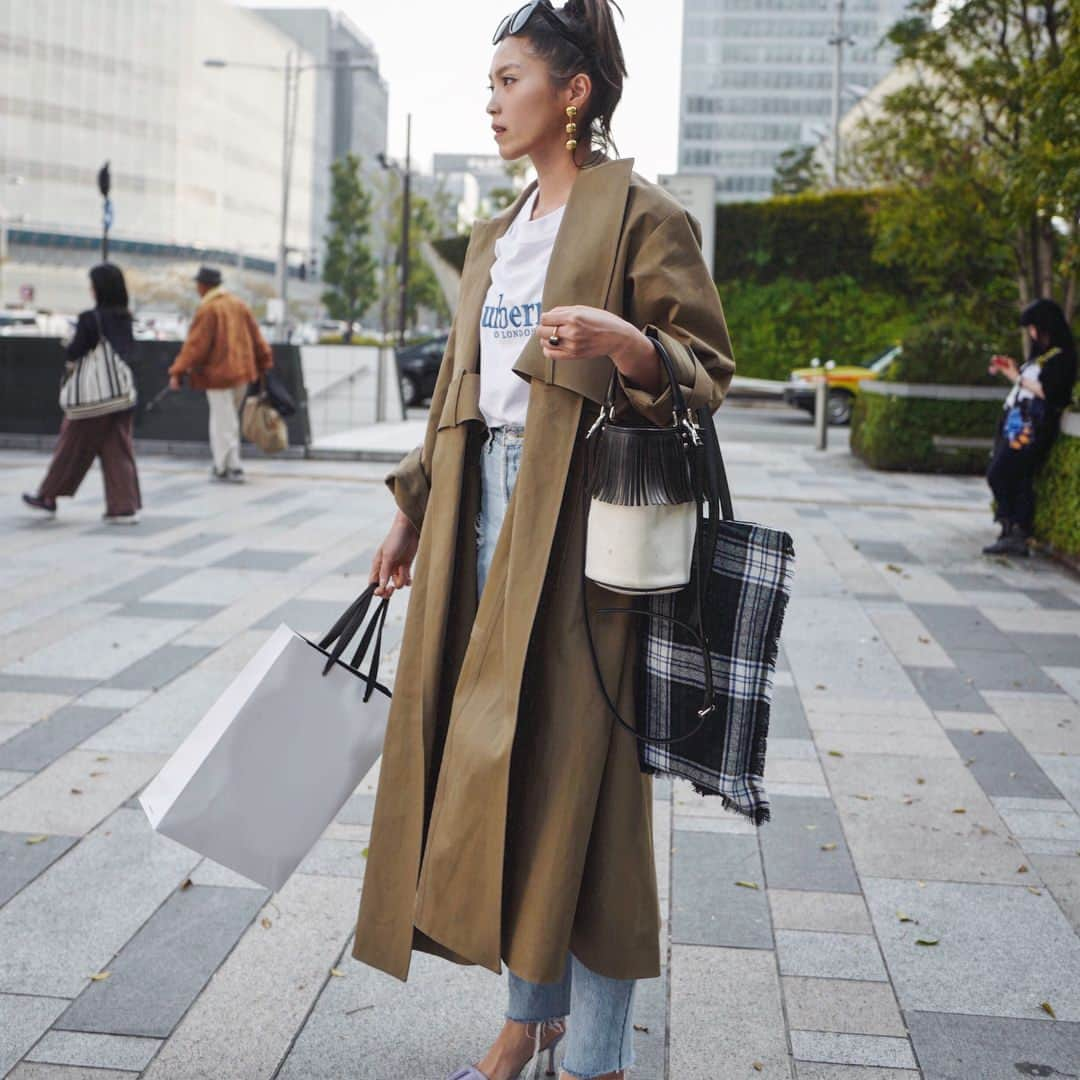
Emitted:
pixel 757 78
pixel 351 99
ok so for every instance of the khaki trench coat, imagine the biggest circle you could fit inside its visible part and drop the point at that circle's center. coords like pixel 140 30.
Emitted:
pixel 512 821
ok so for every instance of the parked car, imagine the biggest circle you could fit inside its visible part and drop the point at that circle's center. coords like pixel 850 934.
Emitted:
pixel 843 382
pixel 19 324
pixel 418 368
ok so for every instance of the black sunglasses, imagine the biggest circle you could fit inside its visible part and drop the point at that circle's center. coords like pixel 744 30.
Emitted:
pixel 515 23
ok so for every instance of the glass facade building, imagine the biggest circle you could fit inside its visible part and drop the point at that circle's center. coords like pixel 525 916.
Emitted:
pixel 757 78
pixel 194 152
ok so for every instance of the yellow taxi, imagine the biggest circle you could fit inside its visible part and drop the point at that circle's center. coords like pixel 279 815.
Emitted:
pixel 843 382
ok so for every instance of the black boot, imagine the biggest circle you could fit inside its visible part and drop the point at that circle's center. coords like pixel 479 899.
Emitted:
pixel 1012 541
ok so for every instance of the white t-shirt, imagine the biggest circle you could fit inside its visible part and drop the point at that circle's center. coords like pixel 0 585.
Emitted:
pixel 511 312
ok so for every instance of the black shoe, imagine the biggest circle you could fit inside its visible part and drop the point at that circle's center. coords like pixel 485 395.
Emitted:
pixel 48 506
pixel 1013 541
pixel 236 476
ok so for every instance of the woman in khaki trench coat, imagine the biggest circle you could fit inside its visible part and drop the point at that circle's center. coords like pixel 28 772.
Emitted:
pixel 512 822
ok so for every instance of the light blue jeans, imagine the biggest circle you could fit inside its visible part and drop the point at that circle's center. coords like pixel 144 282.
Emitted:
pixel 600 1032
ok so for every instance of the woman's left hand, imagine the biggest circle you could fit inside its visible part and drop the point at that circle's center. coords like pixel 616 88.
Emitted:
pixel 586 331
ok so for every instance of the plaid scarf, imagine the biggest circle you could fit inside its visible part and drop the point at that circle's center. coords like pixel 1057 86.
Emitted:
pixel 746 595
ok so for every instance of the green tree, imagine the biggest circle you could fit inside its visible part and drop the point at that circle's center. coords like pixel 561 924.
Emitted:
pixel 349 268
pixel 797 170
pixel 982 144
pixel 424 290
pixel 516 171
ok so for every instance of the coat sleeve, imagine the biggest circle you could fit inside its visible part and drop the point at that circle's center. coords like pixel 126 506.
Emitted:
pixel 85 337
pixel 195 352
pixel 671 292
pixel 264 357
pixel 410 480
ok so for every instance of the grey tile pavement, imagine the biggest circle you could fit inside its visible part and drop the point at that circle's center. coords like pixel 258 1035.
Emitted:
pixel 23 856
pixel 163 968
pixel 709 906
pixel 159 667
pixel 260 559
pixel 1002 766
pixel 798 857
pixel 811 976
pixel 993 1048
pixel 42 743
pixel 94 1051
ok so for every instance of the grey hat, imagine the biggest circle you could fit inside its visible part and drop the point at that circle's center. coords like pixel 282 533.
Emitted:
pixel 207 275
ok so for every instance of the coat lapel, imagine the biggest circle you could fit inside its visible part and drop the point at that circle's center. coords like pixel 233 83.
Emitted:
pixel 580 272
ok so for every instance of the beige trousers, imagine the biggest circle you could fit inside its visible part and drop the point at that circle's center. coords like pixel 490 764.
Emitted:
pixel 225 425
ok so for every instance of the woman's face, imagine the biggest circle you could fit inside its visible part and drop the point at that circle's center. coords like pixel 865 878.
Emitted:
pixel 527 112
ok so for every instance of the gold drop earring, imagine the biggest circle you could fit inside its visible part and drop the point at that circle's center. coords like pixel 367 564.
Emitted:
pixel 571 128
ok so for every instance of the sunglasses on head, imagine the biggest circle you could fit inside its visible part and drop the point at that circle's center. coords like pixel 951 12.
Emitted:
pixel 516 22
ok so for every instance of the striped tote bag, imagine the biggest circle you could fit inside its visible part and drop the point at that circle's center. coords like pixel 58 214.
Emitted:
pixel 101 383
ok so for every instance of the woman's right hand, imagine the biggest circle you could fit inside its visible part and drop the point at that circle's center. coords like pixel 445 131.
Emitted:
pixel 392 566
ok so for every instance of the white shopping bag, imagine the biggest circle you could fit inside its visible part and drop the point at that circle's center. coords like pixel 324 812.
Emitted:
pixel 270 765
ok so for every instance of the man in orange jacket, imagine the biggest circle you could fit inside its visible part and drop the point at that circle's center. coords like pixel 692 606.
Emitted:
pixel 223 353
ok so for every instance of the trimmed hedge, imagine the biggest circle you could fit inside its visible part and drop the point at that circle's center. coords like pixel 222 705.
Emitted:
pixel 779 326
pixel 896 433
pixel 804 237
pixel 1057 497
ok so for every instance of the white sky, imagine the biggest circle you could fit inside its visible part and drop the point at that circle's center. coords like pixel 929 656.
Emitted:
pixel 435 58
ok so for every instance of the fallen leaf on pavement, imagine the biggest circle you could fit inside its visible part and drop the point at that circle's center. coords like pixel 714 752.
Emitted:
pixel 747 884
pixel 337 973
pixel 1048 1008
pixel 101 976
pixel 836 753
pixel 265 923
pixel 926 940
pixel 959 810
pixel 36 839
pixel 894 568
pixel 828 847
pixel 1022 868
pixel 76 791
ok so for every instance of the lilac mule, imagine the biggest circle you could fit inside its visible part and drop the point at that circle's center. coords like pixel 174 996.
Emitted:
pixel 473 1073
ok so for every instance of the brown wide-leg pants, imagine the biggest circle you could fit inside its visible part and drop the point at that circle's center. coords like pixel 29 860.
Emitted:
pixel 106 437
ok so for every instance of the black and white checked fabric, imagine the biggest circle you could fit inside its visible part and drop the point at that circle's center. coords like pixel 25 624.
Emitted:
pixel 747 593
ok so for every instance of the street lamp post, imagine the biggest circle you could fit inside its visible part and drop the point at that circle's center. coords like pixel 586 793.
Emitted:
pixel 837 41
pixel 104 183
pixel 292 70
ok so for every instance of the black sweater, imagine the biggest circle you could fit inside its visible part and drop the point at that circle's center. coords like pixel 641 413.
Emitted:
pixel 116 322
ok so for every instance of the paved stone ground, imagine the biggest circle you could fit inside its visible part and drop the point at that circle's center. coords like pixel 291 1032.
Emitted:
pixel 924 771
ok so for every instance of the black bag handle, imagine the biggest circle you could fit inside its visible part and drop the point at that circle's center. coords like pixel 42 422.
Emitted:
pixel 679 413
pixel 345 629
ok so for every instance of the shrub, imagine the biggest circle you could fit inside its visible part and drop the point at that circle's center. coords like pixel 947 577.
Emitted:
pixel 1057 497
pixel 897 433
pixel 781 325
pixel 946 352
